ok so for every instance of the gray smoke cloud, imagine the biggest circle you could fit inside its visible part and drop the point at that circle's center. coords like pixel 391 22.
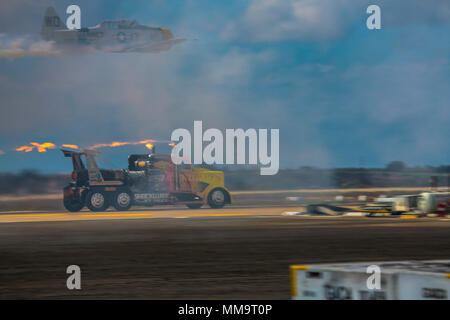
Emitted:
pixel 16 47
pixel 21 47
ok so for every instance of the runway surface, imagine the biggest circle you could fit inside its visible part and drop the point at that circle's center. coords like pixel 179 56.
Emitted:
pixel 156 212
pixel 175 253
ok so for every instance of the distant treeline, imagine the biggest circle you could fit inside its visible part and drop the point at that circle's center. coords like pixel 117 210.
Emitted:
pixel 311 178
pixel 395 174
pixel 32 182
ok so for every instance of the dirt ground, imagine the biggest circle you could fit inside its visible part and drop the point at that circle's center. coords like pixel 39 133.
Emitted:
pixel 199 258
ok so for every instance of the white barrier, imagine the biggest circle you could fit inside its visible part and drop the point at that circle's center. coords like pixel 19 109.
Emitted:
pixel 294 198
pixel 428 282
pixel 403 280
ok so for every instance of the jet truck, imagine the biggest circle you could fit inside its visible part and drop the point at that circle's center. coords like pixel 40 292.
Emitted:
pixel 151 179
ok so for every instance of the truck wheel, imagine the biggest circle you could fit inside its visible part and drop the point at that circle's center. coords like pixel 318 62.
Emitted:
pixel 122 201
pixel 194 205
pixel 73 205
pixel 97 201
pixel 216 198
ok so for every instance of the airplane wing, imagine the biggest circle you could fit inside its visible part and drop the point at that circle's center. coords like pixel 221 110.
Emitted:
pixel 154 47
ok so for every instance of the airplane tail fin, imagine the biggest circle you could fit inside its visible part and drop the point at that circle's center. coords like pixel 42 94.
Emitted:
pixel 51 23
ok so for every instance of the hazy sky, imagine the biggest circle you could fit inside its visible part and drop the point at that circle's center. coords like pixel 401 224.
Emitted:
pixel 339 93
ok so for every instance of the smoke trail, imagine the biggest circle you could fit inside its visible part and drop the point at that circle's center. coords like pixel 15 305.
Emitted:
pixel 26 46
pixel 43 49
pixel 15 48
pixel 12 50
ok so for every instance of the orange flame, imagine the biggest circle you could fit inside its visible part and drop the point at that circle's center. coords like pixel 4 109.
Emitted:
pixel 25 148
pixel 120 143
pixel 44 146
pixel 71 146
pixel 41 147
pixel 172 144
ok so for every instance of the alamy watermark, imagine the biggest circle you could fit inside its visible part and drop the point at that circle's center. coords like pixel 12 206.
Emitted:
pixel 374 280
pixel 373 22
pixel 74 280
pixel 235 147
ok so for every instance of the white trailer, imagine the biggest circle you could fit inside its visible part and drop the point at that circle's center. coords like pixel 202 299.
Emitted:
pixel 399 280
pixel 428 201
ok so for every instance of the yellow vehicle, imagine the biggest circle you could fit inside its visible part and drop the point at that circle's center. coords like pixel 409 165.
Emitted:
pixel 151 179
